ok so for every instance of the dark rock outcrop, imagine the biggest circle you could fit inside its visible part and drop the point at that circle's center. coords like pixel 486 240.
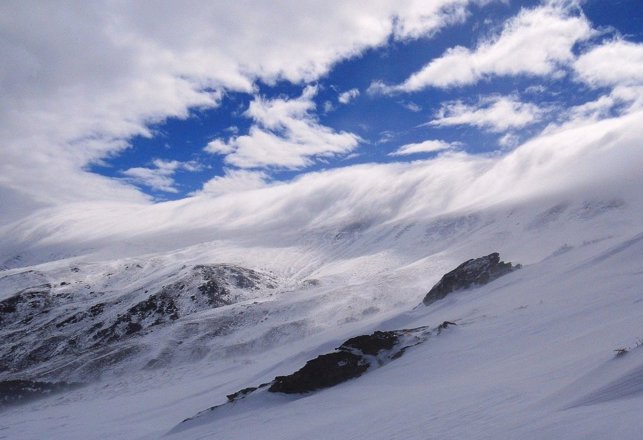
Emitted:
pixel 474 272
pixel 241 393
pixel 156 309
pixel 19 391
pixel 25 304
pixel 324 371
pixel 352 359
pixel 371 344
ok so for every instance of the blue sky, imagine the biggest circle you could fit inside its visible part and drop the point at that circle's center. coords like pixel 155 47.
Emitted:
pixel 382 122
pixel 155 102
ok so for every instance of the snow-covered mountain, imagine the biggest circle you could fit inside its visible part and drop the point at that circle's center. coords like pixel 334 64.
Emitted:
pixel 161 337
pixel 310 220
pixel 156 313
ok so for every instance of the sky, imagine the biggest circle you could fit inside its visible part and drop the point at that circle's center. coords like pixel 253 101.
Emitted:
pixel 148 102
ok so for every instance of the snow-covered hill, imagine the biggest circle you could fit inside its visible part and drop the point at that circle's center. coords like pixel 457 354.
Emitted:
pixel 532 354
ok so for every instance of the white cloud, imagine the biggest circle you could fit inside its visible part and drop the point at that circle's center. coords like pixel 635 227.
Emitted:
pixel 598 108
pixel 152 178
pixel 386 136
pixel 348 96
pixel 614 63
pixel 496 114
pixel 535 42
pixel 235 181
pixel 620 100
pixel 631 96
pixel 537 89
pixel 285 134
pixel 617 65
pixel 160 177
pixel 218 146
pixel 78 81
pixel 429 146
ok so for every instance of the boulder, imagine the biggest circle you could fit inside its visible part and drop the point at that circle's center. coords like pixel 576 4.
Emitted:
pixel 371 344
pixel 351 360
pixel 474 272
pixel 324 371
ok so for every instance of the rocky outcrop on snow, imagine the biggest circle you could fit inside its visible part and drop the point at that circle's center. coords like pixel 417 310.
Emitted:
pixel 21 391
pixel 324 371
pixel 86 320
pixel 351 359
pixel 203 287
pixel 25 305
pixel 474 272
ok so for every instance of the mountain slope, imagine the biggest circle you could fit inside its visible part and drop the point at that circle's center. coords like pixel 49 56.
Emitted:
pixel 75 320
pixel 532 354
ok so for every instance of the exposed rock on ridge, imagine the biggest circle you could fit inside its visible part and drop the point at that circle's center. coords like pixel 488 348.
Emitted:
pixel 352 359
pixel 474 272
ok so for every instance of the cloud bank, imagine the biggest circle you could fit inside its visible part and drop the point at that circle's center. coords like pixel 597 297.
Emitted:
pixel 591 157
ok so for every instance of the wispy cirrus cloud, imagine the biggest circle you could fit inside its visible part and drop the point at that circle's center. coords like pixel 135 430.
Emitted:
pixel 410 105
pixel 428 146
pixel 535 42
pixel 496 114
pixel 285 134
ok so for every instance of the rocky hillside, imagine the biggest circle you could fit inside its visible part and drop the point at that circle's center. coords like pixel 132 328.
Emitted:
pixel 79 327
